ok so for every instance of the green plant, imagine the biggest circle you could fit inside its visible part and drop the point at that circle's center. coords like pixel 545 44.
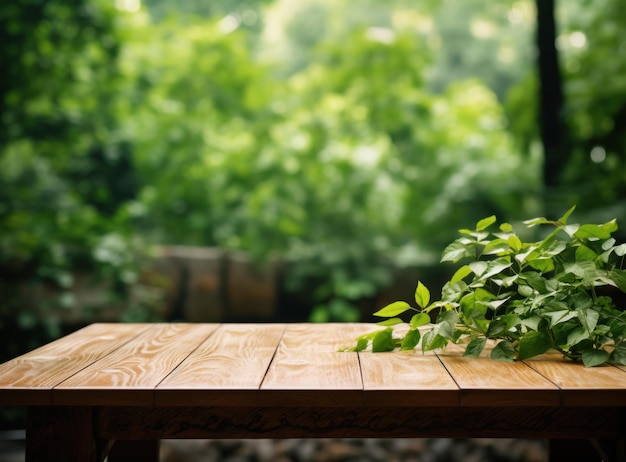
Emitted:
pixel 528 296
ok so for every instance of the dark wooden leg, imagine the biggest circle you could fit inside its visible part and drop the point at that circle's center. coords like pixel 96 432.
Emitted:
pixel 60 434
pixel 612 450
pixel 134 451
pixel 587 450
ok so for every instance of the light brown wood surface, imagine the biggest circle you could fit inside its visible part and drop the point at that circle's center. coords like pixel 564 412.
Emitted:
pixel 129 374
pixel 309 366
pixel 232 362
pixel 29 378
pixel 285 365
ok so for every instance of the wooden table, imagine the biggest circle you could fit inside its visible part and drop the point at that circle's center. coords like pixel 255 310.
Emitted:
pixel 137 383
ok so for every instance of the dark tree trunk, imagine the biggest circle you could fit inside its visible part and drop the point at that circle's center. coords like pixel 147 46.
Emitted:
pixel 552 127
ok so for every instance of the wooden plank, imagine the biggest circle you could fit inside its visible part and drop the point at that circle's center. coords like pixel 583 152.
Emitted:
pixel 309 370
pixel 129 375
pixel 406 378
pixel 580 385
pixel 29 379
pixel 227 369
pixel 356 422
pixel 486 382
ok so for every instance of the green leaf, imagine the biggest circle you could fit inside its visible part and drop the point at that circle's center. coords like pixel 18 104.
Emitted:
pixel 620 250
pixel 461 273
pixel 522 256
pixel 592 231
pixel 533 344
pixel 531 322
pixel 496 267
pixel 608 244
pixel 454 252
pixel 485 223
pixel 525 291
pixel 446 324
pixel 560 316
pixel 619 353
pixel 497 327
pixel 593 357
pixel 410 340
pixel 618 276
pixel 506 227
pixel 585 270
pixel 433 341
pixel 393 309
pixel 422 295
pixel 515 243
pixel 361 344
pixel 383 341
pixel 497 247
pixel 503 351
pixel 588 318
pixel 536 221
pixel 420 319
pixel 577 335
pixel 478 267
pixel 563 219
pixel 610 226
pixel 585 253
pixel 543 265
pixel 570 230
pixel 475 347
pixel 390 322
pixel 535 280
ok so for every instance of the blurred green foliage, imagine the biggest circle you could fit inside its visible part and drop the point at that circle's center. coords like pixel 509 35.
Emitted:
pixel 344 140
pixel 65 167
pixel 594 53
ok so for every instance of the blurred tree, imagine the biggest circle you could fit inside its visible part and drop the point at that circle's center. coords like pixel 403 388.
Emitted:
pixel 593 47
pixel 159 9
pixel 245 14
pixel 487 41
pixel 553 130
pixel 46 58
pixel 586 144
pixel 65 167
pixel 198 112
pixel 58 90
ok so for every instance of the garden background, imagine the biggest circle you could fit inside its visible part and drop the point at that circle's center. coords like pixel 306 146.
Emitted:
pixel 336 146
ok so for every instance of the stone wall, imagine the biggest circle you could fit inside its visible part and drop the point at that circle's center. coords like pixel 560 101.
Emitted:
pixel 209 285
pixel 206 284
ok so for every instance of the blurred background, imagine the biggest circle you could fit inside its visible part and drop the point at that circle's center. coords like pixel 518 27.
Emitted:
pixel 272 160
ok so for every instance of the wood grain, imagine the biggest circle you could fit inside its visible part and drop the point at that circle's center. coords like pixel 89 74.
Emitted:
pixel 129 374
pixel 227 369
pixel 416 379
pixel 29 379
pixel 580 385
pixel 309 370
pixel 285 365
pixel 487 382
pixel 135 382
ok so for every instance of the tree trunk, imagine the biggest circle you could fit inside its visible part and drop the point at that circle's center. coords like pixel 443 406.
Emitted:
pixel 552 126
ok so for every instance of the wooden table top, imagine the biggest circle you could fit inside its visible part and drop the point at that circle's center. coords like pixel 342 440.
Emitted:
pixel 285 365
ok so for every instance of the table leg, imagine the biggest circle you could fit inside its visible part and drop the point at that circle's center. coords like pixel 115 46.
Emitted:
pixel 60 434
pixel 134 451
pixel 588 450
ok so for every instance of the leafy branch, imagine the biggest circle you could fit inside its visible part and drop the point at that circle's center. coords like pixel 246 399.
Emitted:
pixel 529 297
